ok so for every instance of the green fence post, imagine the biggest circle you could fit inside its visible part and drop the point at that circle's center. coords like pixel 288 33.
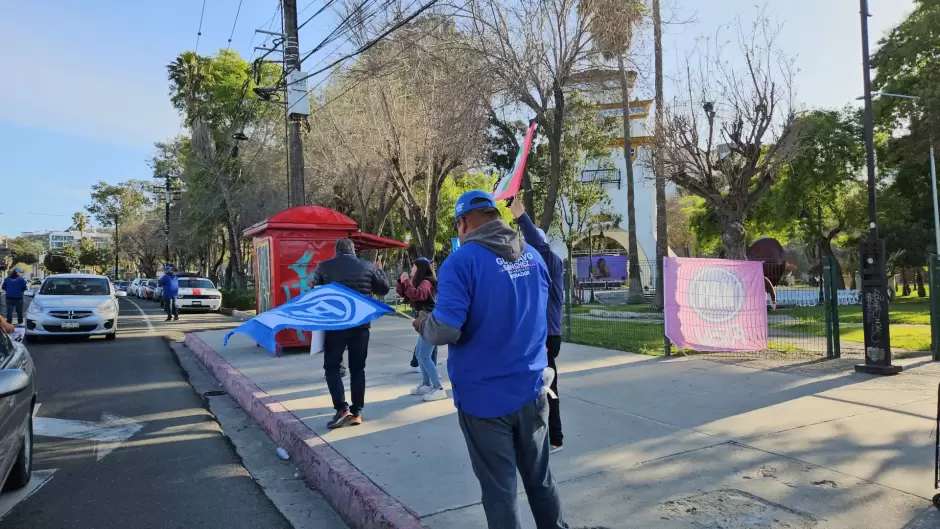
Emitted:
pixel 827 305
pixel 934 282
pixel 834 309
pixel 568 292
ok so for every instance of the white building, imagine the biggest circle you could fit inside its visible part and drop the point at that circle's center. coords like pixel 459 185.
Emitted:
pixel 603 87
pixel 61 239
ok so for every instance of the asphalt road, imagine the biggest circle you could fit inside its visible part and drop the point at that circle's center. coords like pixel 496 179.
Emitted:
pixel 178 471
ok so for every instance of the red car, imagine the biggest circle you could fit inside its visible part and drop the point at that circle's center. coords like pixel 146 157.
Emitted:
pixel 147 289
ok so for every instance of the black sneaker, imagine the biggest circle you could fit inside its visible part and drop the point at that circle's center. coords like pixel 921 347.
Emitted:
pixel 168 319
pixel 176 318
pixel 340 419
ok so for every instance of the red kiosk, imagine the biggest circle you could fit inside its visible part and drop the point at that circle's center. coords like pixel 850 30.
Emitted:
pixel 288 246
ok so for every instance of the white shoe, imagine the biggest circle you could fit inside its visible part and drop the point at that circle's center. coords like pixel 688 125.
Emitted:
pixel 414 369
pixel 437 394
pixel 421 389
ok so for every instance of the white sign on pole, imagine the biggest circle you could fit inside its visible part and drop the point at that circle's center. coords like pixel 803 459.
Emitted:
pixel 298 102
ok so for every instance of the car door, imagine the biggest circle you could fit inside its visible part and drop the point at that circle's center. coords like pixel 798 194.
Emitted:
pixel 10 421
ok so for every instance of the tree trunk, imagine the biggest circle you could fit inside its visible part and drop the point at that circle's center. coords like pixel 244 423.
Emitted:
pixel 554 166
pixel 662 234
pixel 636 282
pixel 906 287
pixel 733 240
pixel 921 291
pixel 829 254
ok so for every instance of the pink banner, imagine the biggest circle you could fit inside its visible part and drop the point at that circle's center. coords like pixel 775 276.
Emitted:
pixel 715 304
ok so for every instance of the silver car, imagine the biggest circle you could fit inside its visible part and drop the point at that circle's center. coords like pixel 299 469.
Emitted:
pixel 17 400
pixel 74 304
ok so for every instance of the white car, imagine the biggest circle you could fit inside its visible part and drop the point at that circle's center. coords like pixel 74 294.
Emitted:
pixel 74 304
pixel 198 293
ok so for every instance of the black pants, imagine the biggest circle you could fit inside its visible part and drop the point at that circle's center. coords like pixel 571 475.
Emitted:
pixel 498 448
pixel 170 307
pixel 15 303
pixel 553 343
pixel 334 343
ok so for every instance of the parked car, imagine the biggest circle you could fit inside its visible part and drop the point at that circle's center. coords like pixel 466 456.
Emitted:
pixel 18 393
pixel 74 304
pixel 158 293
pixel 121 285
pixel 147 288
pixel 134 288
pixel 198 293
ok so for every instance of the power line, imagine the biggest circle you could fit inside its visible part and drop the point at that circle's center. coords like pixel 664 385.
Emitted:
pixel 199 32
pixel 335 33
pixel 232 34
pixel 371 43
pixel 326 4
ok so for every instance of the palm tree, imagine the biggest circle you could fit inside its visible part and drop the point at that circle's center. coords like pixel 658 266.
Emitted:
pixel 662 237
pixel 612 24
pixel 80 223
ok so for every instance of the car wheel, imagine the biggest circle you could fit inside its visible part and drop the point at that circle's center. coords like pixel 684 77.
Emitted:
pixel 23 467
pixel 111 336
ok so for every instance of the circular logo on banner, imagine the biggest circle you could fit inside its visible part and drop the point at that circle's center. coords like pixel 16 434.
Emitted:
pixel 717 295
pixel 328 309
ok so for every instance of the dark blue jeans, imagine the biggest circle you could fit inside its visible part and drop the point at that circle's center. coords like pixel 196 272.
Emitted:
pixel 170 306
pixel 334 343
pixel 500 446
pixel 15 303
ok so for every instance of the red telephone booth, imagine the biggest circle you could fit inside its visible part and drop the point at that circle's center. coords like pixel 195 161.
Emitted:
pixel 288 246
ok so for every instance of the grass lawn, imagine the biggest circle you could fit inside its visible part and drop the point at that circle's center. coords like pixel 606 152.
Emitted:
pixel 902 336
pixel 587 307
pixel 636 337
pixel 910 310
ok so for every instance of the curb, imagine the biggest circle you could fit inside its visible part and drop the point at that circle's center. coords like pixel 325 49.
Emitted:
pixel 237 314
pixel 360 502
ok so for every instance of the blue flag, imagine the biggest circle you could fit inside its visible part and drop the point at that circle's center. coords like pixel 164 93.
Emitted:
pixel 330 307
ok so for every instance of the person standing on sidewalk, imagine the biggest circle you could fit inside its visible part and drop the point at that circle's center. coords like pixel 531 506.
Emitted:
pixel 492 295
pixel 421 291
pixel 368 279
pixel 15 286
pixel 171 289
pixel 535 237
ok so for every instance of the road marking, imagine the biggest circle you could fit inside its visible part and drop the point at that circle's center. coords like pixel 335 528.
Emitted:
pixel 10 500
pixel 144 314
pixel 36 409
pixel 107 434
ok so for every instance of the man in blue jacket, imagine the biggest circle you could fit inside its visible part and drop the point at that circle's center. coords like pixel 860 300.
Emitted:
pixel 171 289
pixel 556 297
pixel 490 309
pixel 15 286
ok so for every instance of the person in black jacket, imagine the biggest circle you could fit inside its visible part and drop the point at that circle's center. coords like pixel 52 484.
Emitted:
pixel 368 279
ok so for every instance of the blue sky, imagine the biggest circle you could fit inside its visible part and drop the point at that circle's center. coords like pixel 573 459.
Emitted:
pixel 84 95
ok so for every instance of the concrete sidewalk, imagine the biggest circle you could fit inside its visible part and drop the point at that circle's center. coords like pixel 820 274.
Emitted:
pixel 650 442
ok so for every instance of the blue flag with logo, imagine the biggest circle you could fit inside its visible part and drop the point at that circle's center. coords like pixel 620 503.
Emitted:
pixel 330 307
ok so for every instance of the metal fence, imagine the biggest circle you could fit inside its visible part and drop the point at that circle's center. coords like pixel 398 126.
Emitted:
pixel 804 325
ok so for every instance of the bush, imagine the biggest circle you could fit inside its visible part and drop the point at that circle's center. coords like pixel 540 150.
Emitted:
pixel 238 299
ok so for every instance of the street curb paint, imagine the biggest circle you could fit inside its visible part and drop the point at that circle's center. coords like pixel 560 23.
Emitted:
pixel 358 500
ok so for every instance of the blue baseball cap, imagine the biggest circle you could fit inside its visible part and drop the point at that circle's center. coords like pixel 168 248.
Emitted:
pixel 425 259
pixel 472 200
pixel 17 270
pixel 168 267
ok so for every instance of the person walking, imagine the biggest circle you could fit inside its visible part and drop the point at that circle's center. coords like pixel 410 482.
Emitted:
pixel 368 279
pixel 14 286
pixel 421 291
pixel 171 289
pixel 535 237
pixel 490 309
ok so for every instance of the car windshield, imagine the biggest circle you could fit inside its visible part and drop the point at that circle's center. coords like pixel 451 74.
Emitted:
pixel 151 283
pixel 193 282
pixel 75 286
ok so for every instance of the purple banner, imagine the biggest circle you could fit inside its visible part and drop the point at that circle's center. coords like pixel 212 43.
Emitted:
pixel 715 304
pixel 609 267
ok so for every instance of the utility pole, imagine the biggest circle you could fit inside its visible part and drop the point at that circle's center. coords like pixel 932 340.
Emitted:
pixel 166 222
pixel 298 106
pixel 117 270
pixel 874 278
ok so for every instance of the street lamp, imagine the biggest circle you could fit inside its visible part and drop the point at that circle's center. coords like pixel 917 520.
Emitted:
pixel 819 243
pixel 872 249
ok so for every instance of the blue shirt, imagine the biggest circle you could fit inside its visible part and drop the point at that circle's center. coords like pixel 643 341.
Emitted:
pixel 556 270
pixel 496 366
pixel 14 287
pixel 170 284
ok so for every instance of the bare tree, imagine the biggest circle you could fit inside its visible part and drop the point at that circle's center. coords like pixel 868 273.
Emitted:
pixel 735 131
pixel 532 49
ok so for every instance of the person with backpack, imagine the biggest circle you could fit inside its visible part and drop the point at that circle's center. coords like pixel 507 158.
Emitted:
pixel 420 290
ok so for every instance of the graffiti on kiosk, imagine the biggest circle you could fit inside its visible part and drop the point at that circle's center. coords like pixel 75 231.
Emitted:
pixel 305 266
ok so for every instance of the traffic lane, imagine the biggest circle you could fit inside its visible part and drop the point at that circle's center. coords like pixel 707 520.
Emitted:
pixel 190 321
pixel 177 471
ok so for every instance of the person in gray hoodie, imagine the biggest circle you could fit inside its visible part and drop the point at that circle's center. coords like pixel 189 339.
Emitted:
pixel 490 310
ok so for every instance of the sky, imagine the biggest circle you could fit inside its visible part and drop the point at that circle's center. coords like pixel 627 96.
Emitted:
pixel 86 96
